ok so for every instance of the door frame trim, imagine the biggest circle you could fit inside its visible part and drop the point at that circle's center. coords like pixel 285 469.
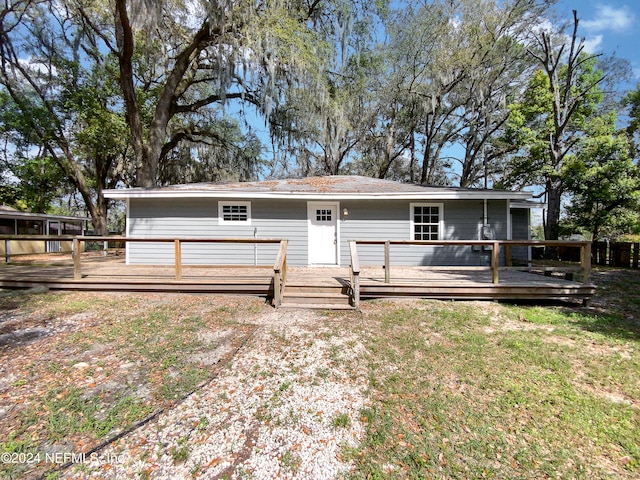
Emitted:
pixel 311 205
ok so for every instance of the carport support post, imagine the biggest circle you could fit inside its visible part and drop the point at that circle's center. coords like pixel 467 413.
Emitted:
pixel 77 272
pixel 178 259
pixel 387 273
pixel 585 253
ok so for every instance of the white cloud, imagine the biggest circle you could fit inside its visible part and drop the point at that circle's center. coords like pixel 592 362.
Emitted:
pixel 609 18
pixel 592 44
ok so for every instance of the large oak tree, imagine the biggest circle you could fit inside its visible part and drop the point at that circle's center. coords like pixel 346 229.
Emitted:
pixel 560 101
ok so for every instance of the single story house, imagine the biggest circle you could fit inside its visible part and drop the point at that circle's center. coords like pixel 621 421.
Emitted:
pixel 318 216
pixel 15 222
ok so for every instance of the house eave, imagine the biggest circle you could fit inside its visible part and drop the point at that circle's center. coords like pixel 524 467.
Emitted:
pixel 41 216
pixel 441 195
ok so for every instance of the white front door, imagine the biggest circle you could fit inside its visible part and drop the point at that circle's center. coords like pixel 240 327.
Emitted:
pixel 323 233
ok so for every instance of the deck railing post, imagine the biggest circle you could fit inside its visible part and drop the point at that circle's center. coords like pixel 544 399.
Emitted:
pixel 387 261
pixel 277 295
pixel 585 260
pixel 355 274
pixel 284 274
pixel 508 258
pixel 178 259
pixel 7 251
pixel 495 262
pixel 356 290
pixel 280 274
pixel 75 249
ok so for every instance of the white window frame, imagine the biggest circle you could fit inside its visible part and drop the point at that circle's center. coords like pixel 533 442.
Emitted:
pixel 412 224
pixel 222 221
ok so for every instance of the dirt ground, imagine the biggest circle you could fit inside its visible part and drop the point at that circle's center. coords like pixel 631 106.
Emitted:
pixel 191 383
pixel 118 385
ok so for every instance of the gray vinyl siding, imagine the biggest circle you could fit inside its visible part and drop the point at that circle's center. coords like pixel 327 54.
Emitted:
pixel 520 224
pixel 520 229
pixel 199 218
pixel 287 219
pixel 390 220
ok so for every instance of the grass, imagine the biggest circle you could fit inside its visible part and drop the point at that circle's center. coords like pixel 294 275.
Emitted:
pixel 341 420
pixel 457 389
pixel 481 390
pixel 69 412
pixel 180 453
pixel 134 355
pixel 291 461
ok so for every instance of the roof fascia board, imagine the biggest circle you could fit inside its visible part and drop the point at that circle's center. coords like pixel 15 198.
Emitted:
pixel 42 216
pixel 444 195
pixel 526 204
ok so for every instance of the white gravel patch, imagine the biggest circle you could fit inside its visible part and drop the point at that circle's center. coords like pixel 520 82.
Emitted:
pixel 285 406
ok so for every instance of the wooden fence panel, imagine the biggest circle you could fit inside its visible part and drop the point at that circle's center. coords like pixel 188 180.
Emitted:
pixel 616 254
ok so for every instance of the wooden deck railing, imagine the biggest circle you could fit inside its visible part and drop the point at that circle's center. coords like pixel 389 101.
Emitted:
pixel 495 246
pixel 178 242
pixel 280 274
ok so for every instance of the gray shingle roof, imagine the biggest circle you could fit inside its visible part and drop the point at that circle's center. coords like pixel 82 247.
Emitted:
pixel 334 186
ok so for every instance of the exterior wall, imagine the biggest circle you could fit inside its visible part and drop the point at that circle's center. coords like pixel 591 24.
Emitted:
pixel 367 220
pixel 390 220
pixel 520 223
pixel 23 247
pixel 199 218
pixel 20 247
pixel 520 226
pixel 38 226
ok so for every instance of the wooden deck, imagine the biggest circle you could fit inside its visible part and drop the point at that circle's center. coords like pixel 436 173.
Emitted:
pixel 309 287
pixel 100 273
pixel 470 283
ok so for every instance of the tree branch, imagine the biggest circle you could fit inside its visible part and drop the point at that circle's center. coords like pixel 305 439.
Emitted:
pixel 193 107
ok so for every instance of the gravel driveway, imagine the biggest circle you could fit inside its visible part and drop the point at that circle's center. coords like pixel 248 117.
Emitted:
pixel 284 405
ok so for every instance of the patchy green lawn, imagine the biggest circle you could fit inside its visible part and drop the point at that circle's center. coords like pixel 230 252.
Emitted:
pixel 485 390
pixel 78 368
pixel 456 389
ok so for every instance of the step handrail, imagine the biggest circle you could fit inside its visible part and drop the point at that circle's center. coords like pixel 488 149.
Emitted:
pixel 280 273
pixel 354 270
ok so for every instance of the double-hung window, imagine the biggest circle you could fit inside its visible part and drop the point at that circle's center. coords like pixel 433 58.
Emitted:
pixel 426 221
pixel 237 213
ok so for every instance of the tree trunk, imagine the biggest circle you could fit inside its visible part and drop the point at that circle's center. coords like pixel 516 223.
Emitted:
pixel 99 219
pixel 554 200
pixel 147 167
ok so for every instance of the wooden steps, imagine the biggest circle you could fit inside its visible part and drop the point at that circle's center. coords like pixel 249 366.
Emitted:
pixel 326 297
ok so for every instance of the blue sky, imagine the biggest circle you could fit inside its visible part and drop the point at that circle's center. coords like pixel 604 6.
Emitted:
pixel 611 26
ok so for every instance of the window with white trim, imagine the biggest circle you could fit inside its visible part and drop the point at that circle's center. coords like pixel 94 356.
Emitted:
pixel 238 213
pixel 426 221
